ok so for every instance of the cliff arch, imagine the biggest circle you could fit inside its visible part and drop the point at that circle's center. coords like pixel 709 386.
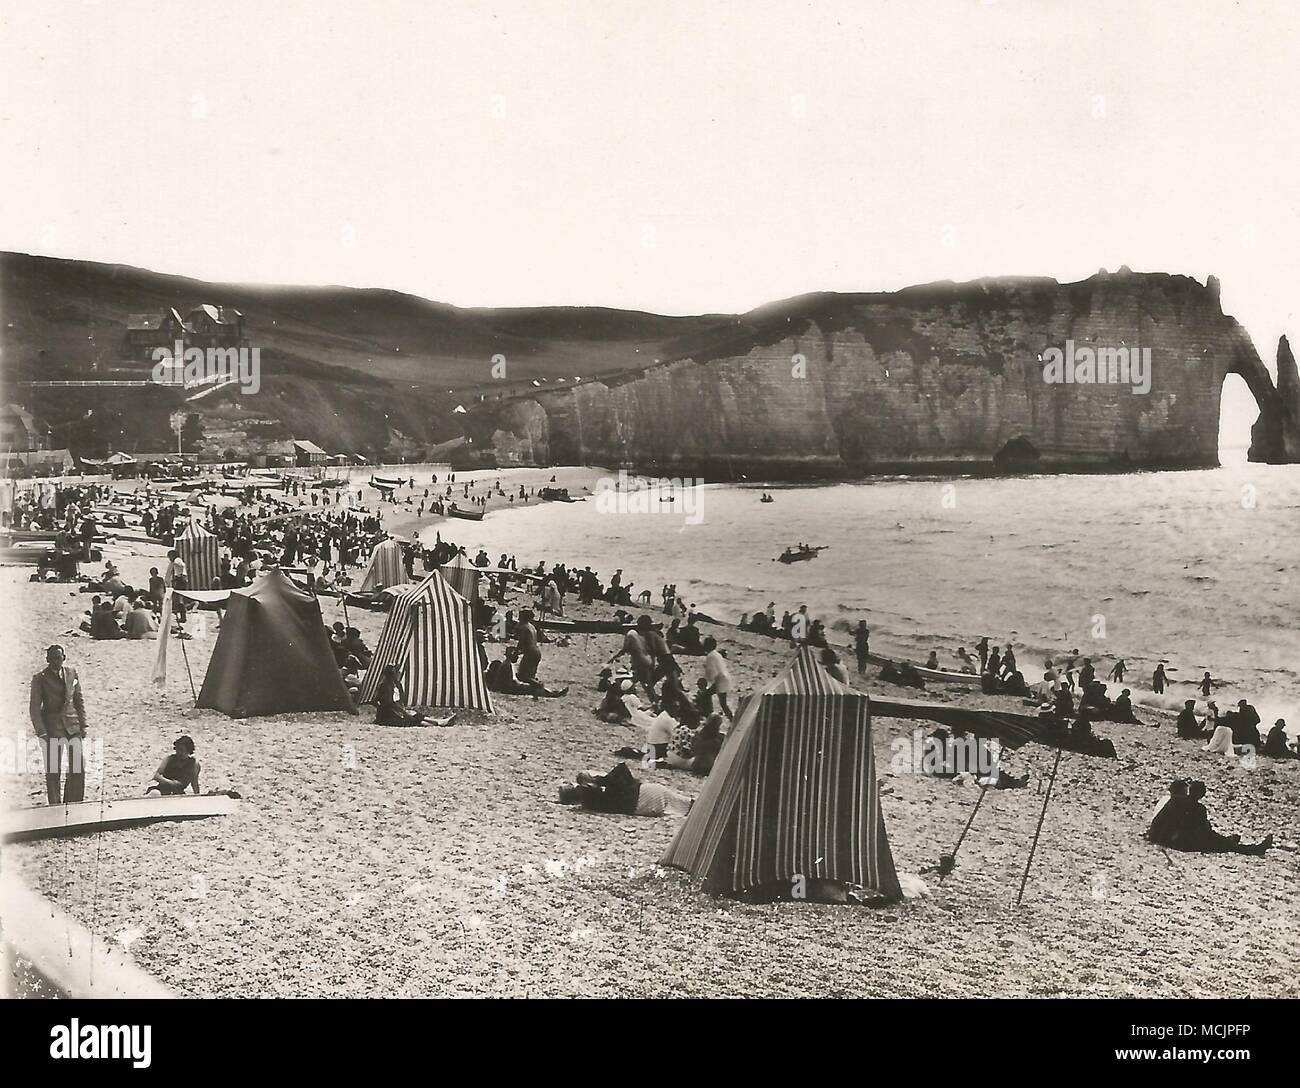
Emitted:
pixel 1275 436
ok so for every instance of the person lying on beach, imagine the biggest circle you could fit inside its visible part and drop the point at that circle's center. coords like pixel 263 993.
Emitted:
pixel 178 770
pixel 1276 744
pixel 1183 823
pixel 621 792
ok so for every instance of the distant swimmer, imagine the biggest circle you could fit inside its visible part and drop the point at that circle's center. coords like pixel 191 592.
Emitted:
pixel 1118 670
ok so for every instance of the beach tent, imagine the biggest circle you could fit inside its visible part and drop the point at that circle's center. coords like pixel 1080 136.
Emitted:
pixel 792 794
pixel 462 576
pixel 385 568
pixel 202 555
pixel 273 655
pixel 429 636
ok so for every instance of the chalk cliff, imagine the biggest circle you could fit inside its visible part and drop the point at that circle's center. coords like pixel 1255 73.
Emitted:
pixel 934 377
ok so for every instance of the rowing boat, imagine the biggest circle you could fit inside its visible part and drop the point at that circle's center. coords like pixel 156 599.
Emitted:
pixel 800 555
pixel 87 817
pixel 465 514
pixel 586 627
pixel 943 676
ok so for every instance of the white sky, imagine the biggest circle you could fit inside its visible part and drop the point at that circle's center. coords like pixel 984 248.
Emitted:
pixel 677 157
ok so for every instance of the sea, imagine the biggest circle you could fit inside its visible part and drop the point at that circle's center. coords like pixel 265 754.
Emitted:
pixel 1198 569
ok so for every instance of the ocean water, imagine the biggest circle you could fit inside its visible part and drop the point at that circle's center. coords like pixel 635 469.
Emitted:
pixel 1198 569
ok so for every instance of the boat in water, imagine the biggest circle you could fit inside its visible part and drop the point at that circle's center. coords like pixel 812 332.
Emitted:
pixel 798 555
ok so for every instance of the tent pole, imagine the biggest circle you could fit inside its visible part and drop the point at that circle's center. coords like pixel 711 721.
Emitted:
pixel 185 654
pixel 344 600
pixel 1041 816
pixel 962 837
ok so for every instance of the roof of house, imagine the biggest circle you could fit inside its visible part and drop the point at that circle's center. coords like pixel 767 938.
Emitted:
pixel 43 458
pixel 152 322
pixel 29 421
pixel 308 447
pixel 220 315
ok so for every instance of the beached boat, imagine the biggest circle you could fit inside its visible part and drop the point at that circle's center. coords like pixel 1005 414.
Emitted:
pixel 941 676
pixel 798 556
pixel 586 627
pixel 32 554
pixel 87 817
pixel 467 515
pixel 557 494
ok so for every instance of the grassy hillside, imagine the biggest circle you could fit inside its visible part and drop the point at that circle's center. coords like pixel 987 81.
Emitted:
pixel 355 370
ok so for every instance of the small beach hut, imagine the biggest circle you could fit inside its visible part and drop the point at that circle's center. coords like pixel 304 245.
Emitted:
pixel 386 568
pixel 202 555
pixel 273 655
pixel 793 796
pixel 429 636
pixel 462 576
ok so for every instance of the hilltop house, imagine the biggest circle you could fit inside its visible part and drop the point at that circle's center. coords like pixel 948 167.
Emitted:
pixel 22 432
pixel 205 326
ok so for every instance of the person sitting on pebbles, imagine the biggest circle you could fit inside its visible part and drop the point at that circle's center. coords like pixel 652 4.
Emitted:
pixel 178 770
pixel 1182 823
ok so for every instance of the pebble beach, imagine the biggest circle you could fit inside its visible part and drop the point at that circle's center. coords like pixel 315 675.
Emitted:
pixel 438 862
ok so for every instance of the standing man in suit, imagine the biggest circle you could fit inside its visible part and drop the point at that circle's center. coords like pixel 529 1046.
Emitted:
pixel 59 718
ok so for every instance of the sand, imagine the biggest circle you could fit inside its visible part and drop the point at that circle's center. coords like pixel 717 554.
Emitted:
pixel 373 861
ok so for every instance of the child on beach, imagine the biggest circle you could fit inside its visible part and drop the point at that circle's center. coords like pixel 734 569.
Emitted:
pixel 178 770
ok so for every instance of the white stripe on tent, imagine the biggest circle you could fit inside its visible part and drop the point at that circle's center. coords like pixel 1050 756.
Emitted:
pixel 429 635
pixel 385 568
pixel 201 553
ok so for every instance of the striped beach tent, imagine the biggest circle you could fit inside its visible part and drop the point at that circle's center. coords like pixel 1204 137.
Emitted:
pixel 385 568
pixel 429 636
pixel 793 794
pixel 462 576
pixel 202 555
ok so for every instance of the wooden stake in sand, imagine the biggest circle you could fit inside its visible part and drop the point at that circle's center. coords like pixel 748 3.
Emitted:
pixel 962 837
pixel 180 635
pixel 1034 845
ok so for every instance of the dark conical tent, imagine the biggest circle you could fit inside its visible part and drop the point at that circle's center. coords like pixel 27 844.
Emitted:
pixel 792 794
pixel 273 655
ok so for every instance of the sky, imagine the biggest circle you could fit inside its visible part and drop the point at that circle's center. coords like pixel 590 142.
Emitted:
pixel 674 157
